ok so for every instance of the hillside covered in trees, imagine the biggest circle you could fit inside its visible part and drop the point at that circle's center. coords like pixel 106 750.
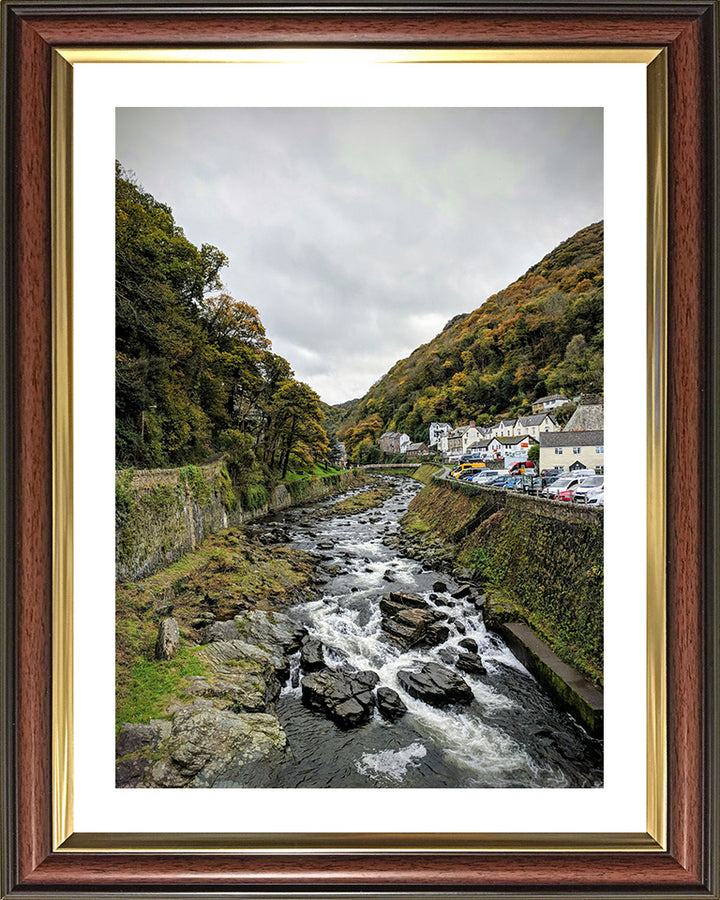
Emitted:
pixel 541 335
pixel 195 371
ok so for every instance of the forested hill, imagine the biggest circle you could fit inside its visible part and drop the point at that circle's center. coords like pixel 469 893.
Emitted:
pixel 194 370
pixel 543 334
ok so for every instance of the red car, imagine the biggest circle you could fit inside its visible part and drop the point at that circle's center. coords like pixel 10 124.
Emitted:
pixel 565 495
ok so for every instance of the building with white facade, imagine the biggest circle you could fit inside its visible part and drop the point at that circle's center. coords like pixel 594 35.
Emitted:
pixel 535 425
pixel 437 430
pixel 545 404
pixel 572 449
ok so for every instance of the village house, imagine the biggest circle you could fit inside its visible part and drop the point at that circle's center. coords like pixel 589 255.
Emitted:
pixel 393 442
pixel 505 428
pixel 437 430
pixel 545 404
pixel 568 450
pixel 415 450
pixel 534 425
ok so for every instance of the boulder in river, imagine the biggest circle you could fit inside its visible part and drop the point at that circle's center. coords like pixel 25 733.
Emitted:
pixel 346 699
pixel 312 656
pixel 439 586
pixel 435 685
pixel 462 592
pixel 168 639
pixel 470 663
pixel 389 704
pixel 468 644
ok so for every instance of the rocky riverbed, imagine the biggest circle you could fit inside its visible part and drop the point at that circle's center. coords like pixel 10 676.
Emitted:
pixel 375 669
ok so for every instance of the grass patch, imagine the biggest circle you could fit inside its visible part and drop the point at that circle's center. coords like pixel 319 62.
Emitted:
pixel 151 684
pixel 358 503
pixel 426 471
pixel 230 569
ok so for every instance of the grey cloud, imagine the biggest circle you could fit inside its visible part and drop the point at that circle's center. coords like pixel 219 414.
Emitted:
pixel 356 231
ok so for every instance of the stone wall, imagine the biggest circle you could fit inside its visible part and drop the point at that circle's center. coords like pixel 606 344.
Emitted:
pixel 539 561
pixel 161 514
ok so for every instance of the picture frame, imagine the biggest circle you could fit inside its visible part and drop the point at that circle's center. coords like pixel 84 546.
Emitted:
pixel 678 856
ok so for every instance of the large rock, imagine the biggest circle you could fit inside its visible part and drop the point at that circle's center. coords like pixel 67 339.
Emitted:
pixel 389 704
pixel 415 627
pixel 470 663
pixel 242 676
pixel 469 644
pixel 273 630
pixel 408 600
pixel 312 656
pixel 346 699
pixel 204 747
pixel 435 685
pixel 168 639
pixel 133 737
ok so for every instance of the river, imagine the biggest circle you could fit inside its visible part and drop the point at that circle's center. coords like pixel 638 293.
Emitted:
pixel 511 735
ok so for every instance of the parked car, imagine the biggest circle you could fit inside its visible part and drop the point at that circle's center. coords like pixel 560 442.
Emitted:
pixel 512 481
pixel 552 473
pixel 499 482
pixel 561 484
pixel 488 475
pixel 593 482
pixel 565 495
pixel 595 497
pixel 548 483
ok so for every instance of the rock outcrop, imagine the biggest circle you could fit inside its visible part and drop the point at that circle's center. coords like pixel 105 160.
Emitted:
pixel 202 746
pixel 168 639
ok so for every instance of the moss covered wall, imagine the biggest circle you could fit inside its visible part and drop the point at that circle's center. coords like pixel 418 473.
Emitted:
pixel 162 514
pixel 539 562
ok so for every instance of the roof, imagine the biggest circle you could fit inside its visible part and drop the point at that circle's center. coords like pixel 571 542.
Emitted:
pixel 572 439
pixel 516 439
pixel 550 397
pixel 586 418
pixel 534 420
pixel 418 446
pixel 478 445
pixel 506 422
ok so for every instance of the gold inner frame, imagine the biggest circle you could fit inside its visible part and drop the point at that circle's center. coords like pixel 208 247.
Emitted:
pixel 64 837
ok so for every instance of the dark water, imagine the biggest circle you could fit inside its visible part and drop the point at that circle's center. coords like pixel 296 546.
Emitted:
pixel 512 735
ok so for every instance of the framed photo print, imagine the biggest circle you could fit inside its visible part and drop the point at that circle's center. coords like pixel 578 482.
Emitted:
pixel 323 330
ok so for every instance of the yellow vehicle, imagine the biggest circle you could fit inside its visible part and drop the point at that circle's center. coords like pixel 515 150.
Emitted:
pixel 464 467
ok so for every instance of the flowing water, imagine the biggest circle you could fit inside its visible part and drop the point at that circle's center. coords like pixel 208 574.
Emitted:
pixel 512 734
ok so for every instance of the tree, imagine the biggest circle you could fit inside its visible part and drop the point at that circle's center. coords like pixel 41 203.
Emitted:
pixel 534 453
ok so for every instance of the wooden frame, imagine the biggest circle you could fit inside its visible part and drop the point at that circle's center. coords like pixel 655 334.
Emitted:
pixel 688 30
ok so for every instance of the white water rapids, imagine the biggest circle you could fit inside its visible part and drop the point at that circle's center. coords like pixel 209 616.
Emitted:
pixel 511 735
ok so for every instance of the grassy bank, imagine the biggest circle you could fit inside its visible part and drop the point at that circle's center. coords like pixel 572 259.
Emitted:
pixel 229 573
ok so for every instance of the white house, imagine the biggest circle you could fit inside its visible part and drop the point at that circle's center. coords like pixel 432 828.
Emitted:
pixel 437 430
pixel 505 428
pixel 535 425
pixel 545 404
pixel 572 449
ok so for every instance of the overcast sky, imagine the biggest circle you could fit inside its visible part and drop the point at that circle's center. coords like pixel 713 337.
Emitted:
pixel 357 233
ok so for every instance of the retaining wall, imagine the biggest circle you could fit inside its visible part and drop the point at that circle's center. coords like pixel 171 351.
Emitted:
pixel 161 514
